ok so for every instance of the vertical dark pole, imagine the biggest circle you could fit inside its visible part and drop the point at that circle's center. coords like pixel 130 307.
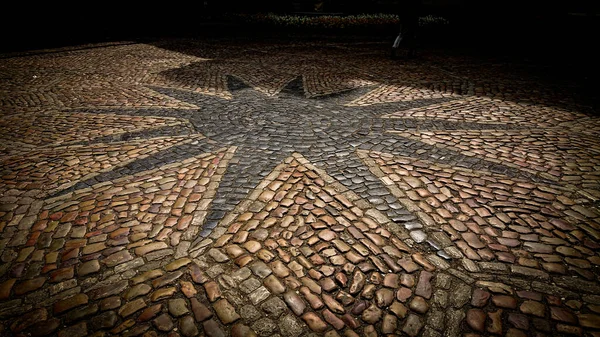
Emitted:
pixel 408 15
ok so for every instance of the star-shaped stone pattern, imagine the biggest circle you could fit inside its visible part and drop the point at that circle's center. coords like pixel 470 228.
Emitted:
pixel 192 187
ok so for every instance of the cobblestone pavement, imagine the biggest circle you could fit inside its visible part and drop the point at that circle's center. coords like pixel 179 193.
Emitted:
pixel 214 188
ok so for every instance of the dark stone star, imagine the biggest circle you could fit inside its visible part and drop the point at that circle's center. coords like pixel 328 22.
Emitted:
pixel 267 129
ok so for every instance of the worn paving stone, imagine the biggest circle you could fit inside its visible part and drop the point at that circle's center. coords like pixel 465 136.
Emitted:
pixel 29 285
pixel 259 295
pixel 77 330
pixel 274 307
pixel 188 289
pixel 533 308
pixel 495 322
pixel 163 323
pixel 419 305
pixel 241 330
pixel 45 328
pixel 201 311
pixel 326 191
pixel 135 291
pixel 163 293
pixel 226 311
pixel 250 312
pixel 149 312
pixel 178 307
pixel 249 285
pixel 476 319
pixel 70 303
pixel 212 290
pixel 294 302
pixel 81 313
pixel 132 307
pixel 314 322
pixel 290 326
pixel 29 319
pixel 589 320
pixel 212 329
pixel 188 327
pixel 413 325
pixel 372 314
pixel 88 268
pixel 264 327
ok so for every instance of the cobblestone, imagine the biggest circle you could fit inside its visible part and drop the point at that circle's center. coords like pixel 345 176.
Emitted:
pixel 199 188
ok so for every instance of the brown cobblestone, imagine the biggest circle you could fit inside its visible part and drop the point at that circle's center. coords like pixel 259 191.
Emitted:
pixel 225 311
pixel 213 291
pixel 29 285
pixel 332 319
pixel 212 329
pixel 495 322
pixel 201 312
pixel 533 307
pixel 294 302
pixel 149 313
pixel 132 307
pixel 188 289
pixel 314 322
pixel 162 293
pixel 5 288
pixel 29 319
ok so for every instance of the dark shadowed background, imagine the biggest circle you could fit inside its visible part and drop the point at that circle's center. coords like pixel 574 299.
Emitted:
pixel 563 33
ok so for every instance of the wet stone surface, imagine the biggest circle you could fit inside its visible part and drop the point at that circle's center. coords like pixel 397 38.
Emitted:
pixel 202 188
